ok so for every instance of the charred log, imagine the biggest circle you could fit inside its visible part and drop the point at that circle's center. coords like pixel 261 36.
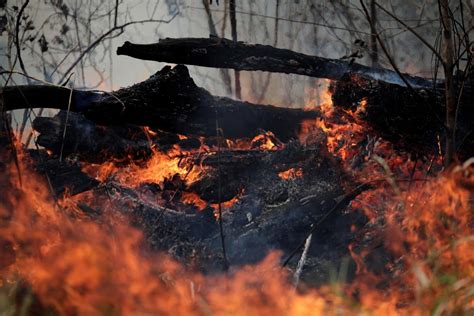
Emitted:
pixel 88 141
pixel 413 119
pixel 223 53
pixel 170 101
pixel 63 177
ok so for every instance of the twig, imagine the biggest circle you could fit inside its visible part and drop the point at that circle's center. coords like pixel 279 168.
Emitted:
pixel 212 29
pixel 301 263
pixel 17 35
pixel 116 12
pixel 411 30
pixel 233 26
pixel 26 112
pixel 387 54
pixel 65 126
pixel 275 43
pixel 331 27
pixel 219 194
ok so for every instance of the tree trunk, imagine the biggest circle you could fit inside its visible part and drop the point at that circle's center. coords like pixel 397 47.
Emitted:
pixel 448 66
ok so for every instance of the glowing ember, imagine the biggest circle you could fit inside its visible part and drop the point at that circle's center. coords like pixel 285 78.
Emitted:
pixel 291 173
pixel 192 198
pixel 264 141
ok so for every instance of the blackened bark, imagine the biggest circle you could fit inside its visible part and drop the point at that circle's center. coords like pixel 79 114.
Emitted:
pixel 224 53
pixel 170 101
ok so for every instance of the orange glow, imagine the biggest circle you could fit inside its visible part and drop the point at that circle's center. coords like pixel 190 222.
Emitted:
pixel 155 170
pixel 149 132
pixel 264 141
pixel 291 173
pixel 193 199
pixel 227 204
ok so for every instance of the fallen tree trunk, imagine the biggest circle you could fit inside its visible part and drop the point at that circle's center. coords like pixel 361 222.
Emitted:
pixel 93 143
pixel 223 53
pixel 170 101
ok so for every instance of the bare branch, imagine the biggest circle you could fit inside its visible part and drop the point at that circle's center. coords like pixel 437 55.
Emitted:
pixel 109 32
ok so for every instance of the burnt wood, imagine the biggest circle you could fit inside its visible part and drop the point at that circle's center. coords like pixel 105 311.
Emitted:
pixel 224 53
pixel 412 119
pixel 62 176
pixel 170 101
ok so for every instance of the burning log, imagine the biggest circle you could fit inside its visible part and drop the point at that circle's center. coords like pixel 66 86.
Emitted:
pixel 88 141
pixel 411 118
pixel 93 143
pixel 223 53
pixel 170 101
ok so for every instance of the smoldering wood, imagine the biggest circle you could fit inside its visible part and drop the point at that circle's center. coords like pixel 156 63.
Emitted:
pixel 167 225
pixel 411 119
pixel 271 214
pixel 63 177
pixel 87 141
pixel 170 101
pixel 224 53
pixel 7 153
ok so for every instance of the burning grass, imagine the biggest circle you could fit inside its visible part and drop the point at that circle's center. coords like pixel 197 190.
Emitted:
pixel 82 267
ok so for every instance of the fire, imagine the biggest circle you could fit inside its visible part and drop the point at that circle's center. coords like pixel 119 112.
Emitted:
pixel 263 141
pixel 291 173
pixel 159 167
pixel 228 204
pixel 343 136
pixel 78 265
pixel 193 199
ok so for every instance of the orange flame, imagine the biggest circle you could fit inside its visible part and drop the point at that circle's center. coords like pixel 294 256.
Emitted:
pixel 291 173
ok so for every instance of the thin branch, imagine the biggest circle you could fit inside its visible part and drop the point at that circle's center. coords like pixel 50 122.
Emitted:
pixel 26 112
pixel 65 125
pixel 387 54
pixel 219 193
pixel 116 12
pixel 340 205
pixel 103 36
pixel 17 32
pixel 331 27
pixel 411 30
pixel 233 26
